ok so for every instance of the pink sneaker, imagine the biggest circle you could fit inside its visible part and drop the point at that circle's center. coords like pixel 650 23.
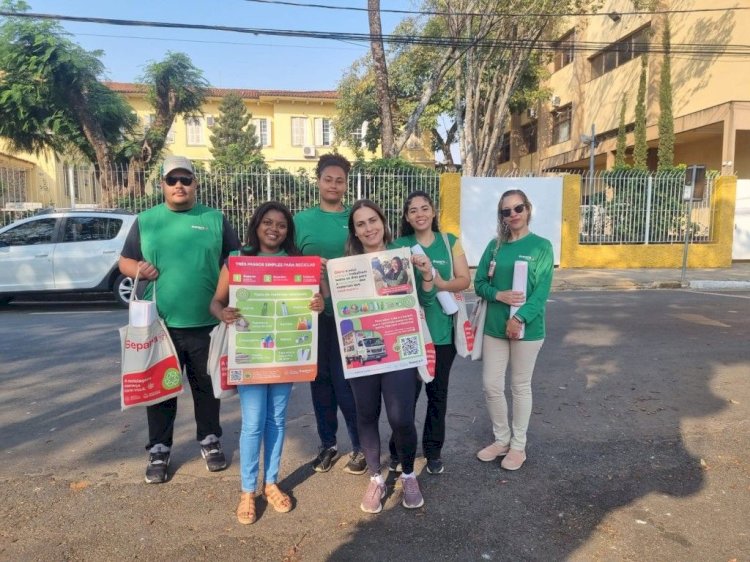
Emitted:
pixel 491 452
pixel 513 460
pixel 372 500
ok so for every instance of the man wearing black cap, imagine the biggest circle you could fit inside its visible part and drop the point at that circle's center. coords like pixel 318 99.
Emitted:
pixel 179 246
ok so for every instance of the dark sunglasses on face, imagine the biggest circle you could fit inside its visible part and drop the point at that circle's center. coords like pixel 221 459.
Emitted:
pixel 184 180
pixel 518 209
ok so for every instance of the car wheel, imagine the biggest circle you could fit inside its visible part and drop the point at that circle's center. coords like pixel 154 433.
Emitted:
pixel 122 289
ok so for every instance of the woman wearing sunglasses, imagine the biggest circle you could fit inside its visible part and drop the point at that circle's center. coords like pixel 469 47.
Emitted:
pixel 512 340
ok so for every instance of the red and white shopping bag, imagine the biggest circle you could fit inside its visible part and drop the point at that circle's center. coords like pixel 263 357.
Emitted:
pixel 150 370
pixel 427 372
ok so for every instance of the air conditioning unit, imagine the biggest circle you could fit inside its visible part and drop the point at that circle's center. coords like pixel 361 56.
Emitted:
pixel 210 121
pixel 531 113
pixel 308 151
pixel 555 101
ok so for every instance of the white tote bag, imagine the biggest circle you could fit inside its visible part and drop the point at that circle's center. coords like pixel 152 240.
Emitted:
pixel 463 337
pixel 478 317
pixel 218 353
pixel 150 368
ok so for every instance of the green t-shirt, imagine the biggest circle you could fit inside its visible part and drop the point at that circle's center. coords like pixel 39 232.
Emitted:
pixel 322 233
pixel 185 247
pixel 535 250
pixel 438 322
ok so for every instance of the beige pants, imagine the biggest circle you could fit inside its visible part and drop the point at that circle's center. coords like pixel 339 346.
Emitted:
pixel 497 355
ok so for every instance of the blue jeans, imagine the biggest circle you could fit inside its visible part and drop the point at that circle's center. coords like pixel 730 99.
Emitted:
pixel 330 390
pixel 263 419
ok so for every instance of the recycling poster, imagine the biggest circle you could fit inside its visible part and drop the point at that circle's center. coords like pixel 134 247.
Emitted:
pixel 377 312
pixel 276 340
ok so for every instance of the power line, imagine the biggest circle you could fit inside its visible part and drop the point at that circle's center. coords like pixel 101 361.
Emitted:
pixel 696 49
pixel 173 40
pixel 504 14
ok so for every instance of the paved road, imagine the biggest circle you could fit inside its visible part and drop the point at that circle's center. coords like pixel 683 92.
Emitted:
pixel 637 450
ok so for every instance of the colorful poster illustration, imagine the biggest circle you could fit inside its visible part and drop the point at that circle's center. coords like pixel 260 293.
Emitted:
pixel 377 312
pixel 276 340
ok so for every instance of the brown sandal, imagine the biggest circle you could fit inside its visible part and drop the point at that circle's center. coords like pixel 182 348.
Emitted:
pixel 246 509
pixel 278 499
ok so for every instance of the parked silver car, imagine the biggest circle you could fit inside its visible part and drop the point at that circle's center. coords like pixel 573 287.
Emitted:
pixel 67 251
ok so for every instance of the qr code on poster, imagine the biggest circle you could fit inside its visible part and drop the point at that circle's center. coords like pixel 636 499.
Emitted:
pixel 410 346
pixel 235 375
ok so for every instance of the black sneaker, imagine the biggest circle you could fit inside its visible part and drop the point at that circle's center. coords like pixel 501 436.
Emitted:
pixel 215 460
pixel 325 459
pixel 357 463
pixel 394 466
pixel 156 469
pixel 435 466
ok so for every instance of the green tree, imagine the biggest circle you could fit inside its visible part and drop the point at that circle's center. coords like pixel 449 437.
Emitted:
pixel 666 118
pixel 174 86
pixel 51 96
pixel 409 68
pixel 234 140
pixel 622 143
pixel 640 150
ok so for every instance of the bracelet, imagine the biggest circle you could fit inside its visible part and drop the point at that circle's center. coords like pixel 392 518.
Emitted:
pixel 518 319
pixel 424 279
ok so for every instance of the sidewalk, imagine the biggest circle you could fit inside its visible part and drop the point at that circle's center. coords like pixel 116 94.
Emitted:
pixel 736 277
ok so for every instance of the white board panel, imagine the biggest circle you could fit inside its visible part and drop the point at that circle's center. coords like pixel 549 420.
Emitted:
pixel 479 198
pixel 741 239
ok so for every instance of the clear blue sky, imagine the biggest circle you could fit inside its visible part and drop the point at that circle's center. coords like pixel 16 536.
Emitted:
pixel 228 60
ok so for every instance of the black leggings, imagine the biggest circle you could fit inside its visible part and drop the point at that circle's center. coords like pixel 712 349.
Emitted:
pixel 398 389
pixel 433 435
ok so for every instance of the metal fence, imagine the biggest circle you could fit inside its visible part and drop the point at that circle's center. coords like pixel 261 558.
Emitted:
pixel 634 207
pixel 630 207
pixel 237 193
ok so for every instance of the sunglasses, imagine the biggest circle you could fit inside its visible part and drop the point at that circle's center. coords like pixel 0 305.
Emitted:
pixel 184 180
pixel 518 209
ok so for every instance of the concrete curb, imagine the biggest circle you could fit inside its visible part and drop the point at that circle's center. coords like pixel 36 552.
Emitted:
pixel 720 285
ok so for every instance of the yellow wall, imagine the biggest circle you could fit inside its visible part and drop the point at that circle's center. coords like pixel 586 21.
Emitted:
pixel 707 89
pixel 278 111
pixel 41 168
pixel 622 256
pixel 450 203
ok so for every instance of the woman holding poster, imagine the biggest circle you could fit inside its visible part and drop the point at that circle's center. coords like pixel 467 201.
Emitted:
pixel 512 339
pixel 419 225
pixel 368 233
pixel 270 233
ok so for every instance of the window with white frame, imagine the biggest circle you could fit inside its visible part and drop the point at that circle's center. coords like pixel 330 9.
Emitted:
pixel 323 131
pixel 170 135
pixel 148 120
pixel 299 131
pixel 262 131
pixel 194 126
pixel 561 121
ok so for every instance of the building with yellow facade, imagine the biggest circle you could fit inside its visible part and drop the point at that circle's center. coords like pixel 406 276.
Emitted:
pixel 293 127
pixel 596 64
